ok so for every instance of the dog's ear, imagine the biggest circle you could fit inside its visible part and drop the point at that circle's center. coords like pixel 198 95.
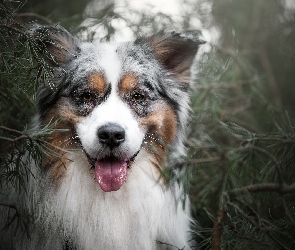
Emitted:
pixel 176 51
pixel 60 45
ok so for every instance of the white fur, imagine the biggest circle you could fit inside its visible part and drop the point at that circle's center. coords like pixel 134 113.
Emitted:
pixel 138 215
pixel 112 111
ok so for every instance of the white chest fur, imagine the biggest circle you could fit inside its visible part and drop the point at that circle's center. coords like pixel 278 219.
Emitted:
pixel 138 216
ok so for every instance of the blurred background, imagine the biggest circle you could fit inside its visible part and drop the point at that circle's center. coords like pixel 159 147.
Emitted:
pixel 240 169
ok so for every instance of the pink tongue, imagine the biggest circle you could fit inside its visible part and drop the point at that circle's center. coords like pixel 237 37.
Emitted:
pixel 110 175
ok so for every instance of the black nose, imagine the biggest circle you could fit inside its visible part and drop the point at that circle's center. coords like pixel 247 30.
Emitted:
pixel 111 135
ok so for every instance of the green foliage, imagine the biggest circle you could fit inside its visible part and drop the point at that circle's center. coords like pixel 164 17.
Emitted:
pixel 240 170
pixel 21 63
pixel 242 148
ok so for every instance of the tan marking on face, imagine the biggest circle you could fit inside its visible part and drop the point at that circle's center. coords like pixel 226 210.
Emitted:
pixel 162 121
pixel 59 145
pixel 128 82
pixel 65 112
pixel 97 82
pixel 161 125
pixel 60 142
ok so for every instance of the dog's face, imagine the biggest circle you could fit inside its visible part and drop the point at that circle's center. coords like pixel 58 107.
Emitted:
pixel 117 100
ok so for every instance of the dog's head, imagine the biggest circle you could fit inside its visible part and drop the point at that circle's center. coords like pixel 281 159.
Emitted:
pixel 117 99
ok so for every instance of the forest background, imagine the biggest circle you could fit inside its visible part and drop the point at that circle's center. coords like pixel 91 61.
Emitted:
pixel 240 170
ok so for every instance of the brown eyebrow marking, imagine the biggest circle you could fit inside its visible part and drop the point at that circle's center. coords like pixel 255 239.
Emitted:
pixel 97 82
pixel 128 82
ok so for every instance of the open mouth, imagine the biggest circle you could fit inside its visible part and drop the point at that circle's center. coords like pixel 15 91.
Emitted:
pixel 111 172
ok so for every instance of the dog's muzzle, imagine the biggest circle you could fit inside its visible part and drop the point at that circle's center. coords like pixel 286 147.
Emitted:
pixel 111 171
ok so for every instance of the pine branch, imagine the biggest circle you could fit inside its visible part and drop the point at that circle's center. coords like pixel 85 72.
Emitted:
pixel 204 160
pixel 264 187
pixel 269 138
pixel 21 137
pixel 273 159
pixel 281 245
pixel 250 219
pixel 169 245
pixel 287 211
pixel 217 229
pixel 31 14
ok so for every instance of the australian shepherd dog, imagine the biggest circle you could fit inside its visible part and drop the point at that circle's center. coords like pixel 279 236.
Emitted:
pixel 120 113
